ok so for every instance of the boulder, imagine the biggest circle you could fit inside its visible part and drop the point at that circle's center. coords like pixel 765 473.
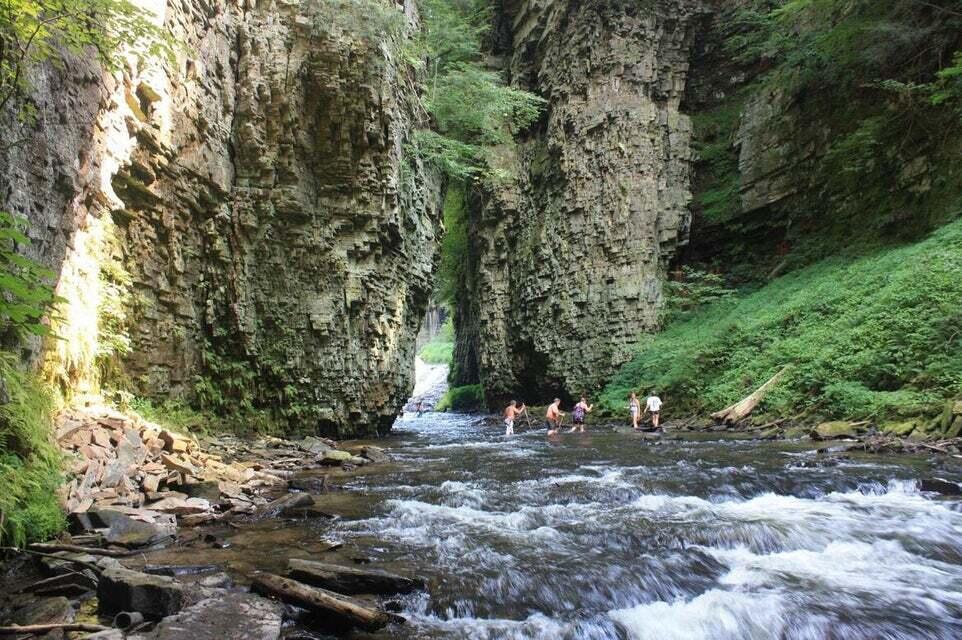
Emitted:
pixel 129 531
pixel 900 429
pixel 207 490
pixel 181 506
pixel 238 616
pixel 45 611
pixel 314 445
pixel 938 485
pixel 336 457
pixel 154 596
pixel 374 454
pixel 286 503
pixel 837 429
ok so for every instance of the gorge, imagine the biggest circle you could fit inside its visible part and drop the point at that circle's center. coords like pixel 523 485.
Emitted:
pixel 254 214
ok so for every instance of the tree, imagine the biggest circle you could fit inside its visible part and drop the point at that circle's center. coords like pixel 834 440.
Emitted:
pixel 37 31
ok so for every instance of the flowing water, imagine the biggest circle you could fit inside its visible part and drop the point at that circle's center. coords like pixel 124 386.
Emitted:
pixel 607 535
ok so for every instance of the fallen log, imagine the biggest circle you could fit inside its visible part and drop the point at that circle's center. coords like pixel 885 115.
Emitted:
pixel 74 548
pixel 37 629
pixel 97 570
pixel 350 580
pixel 746 405
pixel 340 609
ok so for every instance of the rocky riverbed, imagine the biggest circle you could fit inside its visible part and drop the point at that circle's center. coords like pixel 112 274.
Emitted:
pixel 173 536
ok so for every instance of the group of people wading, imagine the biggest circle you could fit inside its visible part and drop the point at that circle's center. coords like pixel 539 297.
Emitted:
pixel 554 415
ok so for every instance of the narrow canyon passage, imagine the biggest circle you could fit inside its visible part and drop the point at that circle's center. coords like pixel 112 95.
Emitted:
pixel 606 535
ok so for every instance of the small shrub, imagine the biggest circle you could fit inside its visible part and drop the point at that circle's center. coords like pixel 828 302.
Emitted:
pixel 462 399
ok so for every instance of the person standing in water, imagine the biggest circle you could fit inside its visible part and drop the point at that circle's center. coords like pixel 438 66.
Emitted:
pixel 634 408
pixel 578 415
pixel 511 412
pixel 553 417
pixel 653 404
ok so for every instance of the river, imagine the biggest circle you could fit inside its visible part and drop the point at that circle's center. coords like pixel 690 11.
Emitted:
pixel 609 535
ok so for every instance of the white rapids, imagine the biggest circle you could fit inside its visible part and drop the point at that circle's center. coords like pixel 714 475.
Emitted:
pixel 606 536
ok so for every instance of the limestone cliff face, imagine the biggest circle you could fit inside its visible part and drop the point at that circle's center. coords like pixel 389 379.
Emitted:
pixel 275 245
pixel 569 254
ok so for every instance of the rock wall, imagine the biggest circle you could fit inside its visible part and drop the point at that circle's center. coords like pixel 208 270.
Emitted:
pixel 273 244
pixel 569 254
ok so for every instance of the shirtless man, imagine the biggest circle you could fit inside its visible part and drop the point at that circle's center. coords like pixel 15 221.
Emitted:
pixel 553 417
pixel 578 415
pixel 511 412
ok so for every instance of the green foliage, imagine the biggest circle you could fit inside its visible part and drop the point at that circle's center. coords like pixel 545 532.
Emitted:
pixel 872 337
pixel 473 110
pixel 454 244
pixel 692 291
pixel 29 462
pixel 25 290
pixel 462 399
pixel 37 31
pixel 441 348
pixel 116 300
pixel 718 161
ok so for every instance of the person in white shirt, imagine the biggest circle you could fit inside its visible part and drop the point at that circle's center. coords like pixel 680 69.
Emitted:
pixel 653 404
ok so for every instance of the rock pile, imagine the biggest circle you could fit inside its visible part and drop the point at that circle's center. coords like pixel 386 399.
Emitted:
pixel 137 480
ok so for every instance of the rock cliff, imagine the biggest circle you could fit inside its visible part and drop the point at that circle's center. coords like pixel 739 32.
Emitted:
pixel 240 228
pixel 569 253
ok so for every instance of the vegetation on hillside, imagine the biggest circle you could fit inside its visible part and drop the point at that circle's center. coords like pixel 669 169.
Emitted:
pixel 471 108
pixel 29 461
pixel 870 95
pixel 464 399
pixel 34 32
pixel 876 336
pixel 441 347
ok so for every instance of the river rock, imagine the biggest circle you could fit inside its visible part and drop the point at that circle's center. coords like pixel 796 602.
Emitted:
pixel 235 616
pixel 336 457
pixel 134 532
pixel 374 454
pixel 837 429
pixel 56 610
pixel 314 445
pixel 939 485
pixel 154 596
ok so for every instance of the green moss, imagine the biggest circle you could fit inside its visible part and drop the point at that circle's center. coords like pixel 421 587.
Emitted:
pixel 462 399
pixel 868 337
pixel 30 463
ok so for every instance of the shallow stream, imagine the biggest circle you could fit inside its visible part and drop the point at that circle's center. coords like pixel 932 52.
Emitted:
pixel 609 535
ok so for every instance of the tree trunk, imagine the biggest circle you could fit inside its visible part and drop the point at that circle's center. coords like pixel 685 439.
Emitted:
pixel 746 405
pixel 348 579
pixel 339 608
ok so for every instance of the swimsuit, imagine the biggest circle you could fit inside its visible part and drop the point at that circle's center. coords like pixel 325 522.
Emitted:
pixel 509 426
pixel 579 415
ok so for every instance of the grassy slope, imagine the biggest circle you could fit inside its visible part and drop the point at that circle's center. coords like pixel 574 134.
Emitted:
pixel 441 347
pixel 878 336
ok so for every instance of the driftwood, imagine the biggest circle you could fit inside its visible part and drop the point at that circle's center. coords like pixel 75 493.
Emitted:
pixel 36 629
pixel 341 609
pixel 348 579
pixel 746 405
pixel 73 548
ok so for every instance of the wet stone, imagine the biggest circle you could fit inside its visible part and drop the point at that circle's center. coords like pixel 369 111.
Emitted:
pixel 126 590
pixel 239 616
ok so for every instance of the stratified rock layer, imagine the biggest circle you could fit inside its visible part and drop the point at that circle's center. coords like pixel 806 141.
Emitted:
pixel 570 253
pixel 251 210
